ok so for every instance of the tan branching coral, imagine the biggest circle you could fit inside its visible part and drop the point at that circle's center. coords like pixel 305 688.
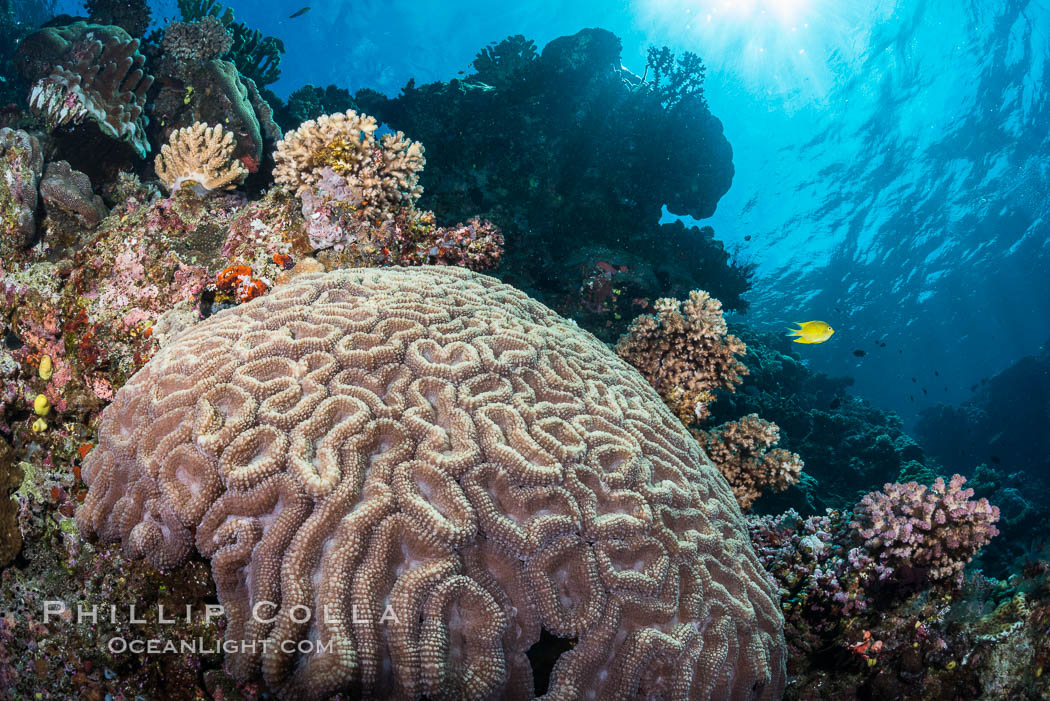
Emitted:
pixel 685 351
pixel 382 173
pixel 743 451
pixel 201 157
pixel 401 476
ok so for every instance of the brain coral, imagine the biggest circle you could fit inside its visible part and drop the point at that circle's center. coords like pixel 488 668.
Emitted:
pixel 406 474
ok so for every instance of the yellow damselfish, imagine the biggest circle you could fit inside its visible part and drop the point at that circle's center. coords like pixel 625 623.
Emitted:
pixel 811 331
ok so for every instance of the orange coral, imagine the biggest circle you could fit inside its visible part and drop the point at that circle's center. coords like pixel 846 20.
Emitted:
pixel 228 279
pixel 251 288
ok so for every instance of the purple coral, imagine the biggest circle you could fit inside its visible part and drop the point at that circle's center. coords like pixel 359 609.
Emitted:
pixel 813 561
pixel 933 530
pixel 66 190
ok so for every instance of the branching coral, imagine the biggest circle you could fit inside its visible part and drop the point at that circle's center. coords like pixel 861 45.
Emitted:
pixel 685 351
pixel 934 531
pixel 743 452
pixel 382 174
pixel 201 157
pixel 821 573
pixel 257 57
pixel 189 45
pixel 83 71
pixel 435 468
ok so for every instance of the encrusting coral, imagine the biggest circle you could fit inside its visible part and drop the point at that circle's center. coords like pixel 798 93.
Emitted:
pixel 84 71
pixel 934 530
pixel 743 452
pixel 435 468
pixel 67 191
pixel 21 165
pixel 686 352
pixel 382 173
pixel 201 157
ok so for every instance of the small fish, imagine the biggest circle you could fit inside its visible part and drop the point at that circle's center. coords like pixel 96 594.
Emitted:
pixel 859 353
pixel 835 403
pixel 973 388
pixel 299 13
pixel 914 380
pixel 924 391
pixel 936 373
pixel 748 237
pixel 900 351
pixel 811 331
pixel 911 397
pixel 882 344
pixel 995 459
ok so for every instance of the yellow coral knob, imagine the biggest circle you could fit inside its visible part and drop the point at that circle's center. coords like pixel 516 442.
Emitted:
pixel 40 425
pixel 41 405
pixel 46 368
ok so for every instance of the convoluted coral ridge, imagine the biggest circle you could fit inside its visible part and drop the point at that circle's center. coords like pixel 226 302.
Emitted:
pixel 434 468
pixel 85 71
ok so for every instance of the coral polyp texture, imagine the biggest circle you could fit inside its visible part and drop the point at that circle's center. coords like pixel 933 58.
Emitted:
pixel 383 173
pixel 743 451
pixel 201 157
pixel 686 352
pixel 21 165
pixel 85 71
pixel 933 530
pixel 435 468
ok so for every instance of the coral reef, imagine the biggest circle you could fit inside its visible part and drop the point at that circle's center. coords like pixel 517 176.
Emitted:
pixel 309 102
pixel 853 634
pixel 188 46
pixel 10 480
pixel 558 150
pixel 686 352
pixel 91 72
pixel 201 157
pixel 133 16
pixel 257 57
pixel 743 451
pixel 68 192
pixel 849 447
pixel 432 445
pixel 1004 446
pixel 213 93
pixel 21 165
pixel 933 531
pixel 381 174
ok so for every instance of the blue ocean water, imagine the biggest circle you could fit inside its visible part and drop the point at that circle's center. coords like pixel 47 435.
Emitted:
pixel 891 173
